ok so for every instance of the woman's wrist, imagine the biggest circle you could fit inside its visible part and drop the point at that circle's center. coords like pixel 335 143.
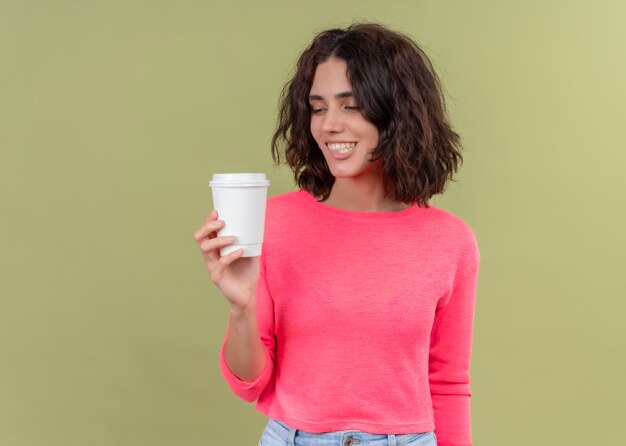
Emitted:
pixel 239 312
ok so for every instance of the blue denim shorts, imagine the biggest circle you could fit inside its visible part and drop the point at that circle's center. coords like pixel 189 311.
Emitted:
pixel 277 433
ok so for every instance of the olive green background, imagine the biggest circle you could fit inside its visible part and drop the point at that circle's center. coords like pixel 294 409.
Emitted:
pixel 114 115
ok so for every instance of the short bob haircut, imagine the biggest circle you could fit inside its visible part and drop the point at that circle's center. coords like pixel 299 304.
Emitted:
pixel 397 90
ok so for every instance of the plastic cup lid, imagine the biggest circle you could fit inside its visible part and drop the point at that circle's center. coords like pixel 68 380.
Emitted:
pixel 239 180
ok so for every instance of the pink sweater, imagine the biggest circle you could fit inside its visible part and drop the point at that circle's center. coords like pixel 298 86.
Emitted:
pixel 367 320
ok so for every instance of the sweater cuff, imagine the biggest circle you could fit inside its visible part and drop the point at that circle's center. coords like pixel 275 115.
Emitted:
pixel 247 390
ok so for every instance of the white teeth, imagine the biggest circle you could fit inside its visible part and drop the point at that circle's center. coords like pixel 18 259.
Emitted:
pixel 341 147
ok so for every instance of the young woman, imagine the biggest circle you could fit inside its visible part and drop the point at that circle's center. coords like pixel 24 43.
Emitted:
pixel 355 324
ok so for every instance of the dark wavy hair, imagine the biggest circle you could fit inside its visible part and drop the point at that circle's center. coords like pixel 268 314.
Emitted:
pixel 397 90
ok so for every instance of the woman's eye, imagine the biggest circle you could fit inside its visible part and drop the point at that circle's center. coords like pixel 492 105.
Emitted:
pixel 317 111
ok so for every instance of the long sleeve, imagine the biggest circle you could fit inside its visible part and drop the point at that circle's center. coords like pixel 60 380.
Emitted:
pixel 449 364
pixel 250 391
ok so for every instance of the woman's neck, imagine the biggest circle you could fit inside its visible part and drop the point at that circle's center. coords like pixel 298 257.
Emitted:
pixel 351 194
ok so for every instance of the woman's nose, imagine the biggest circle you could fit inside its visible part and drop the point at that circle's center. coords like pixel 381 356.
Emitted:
pixel 332 122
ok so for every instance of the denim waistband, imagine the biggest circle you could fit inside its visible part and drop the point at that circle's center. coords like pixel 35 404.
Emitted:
pixel 336 438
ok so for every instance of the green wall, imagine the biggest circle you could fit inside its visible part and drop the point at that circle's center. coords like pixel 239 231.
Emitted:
pixel 114 115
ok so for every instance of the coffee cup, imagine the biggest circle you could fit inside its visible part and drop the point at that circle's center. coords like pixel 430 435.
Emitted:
pixel 240 200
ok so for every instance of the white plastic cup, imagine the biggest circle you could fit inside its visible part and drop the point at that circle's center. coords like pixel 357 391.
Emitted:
pixel 240 200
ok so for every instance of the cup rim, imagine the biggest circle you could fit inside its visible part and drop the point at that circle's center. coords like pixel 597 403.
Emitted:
pixel 239 180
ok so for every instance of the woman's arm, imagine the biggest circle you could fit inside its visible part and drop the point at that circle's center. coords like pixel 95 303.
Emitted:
pixel 449 364
pixel 244 352
pixel 248 352
pixel 246 363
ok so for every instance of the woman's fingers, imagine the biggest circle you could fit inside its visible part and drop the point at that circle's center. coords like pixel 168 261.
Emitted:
pixel 226 260
pixel 210 243
pixel 212 216
pixel 222 263
pixel 207 239
pixel 208 226
pixel 213 244
pixel 206 230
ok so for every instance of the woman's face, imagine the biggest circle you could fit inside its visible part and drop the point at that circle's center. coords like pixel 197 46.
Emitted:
pixel 343 135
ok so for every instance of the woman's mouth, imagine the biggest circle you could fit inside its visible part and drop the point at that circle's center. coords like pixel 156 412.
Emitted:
pixel 341 148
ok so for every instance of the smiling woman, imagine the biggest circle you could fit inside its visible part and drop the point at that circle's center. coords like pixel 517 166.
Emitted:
pixel 340 130
pixel 355 325
pixel 376 79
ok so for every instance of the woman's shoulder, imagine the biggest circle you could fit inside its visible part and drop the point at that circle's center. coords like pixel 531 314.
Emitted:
pixel 287 205
pixel 453 227
pixel 284 202
pixel 464 236
pixel 450 219
pixel 285 197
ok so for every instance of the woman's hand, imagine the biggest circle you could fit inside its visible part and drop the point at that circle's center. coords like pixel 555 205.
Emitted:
pixel 235 277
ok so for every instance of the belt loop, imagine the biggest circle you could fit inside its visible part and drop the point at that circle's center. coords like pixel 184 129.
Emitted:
pixel 392 439
pixel 292 436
